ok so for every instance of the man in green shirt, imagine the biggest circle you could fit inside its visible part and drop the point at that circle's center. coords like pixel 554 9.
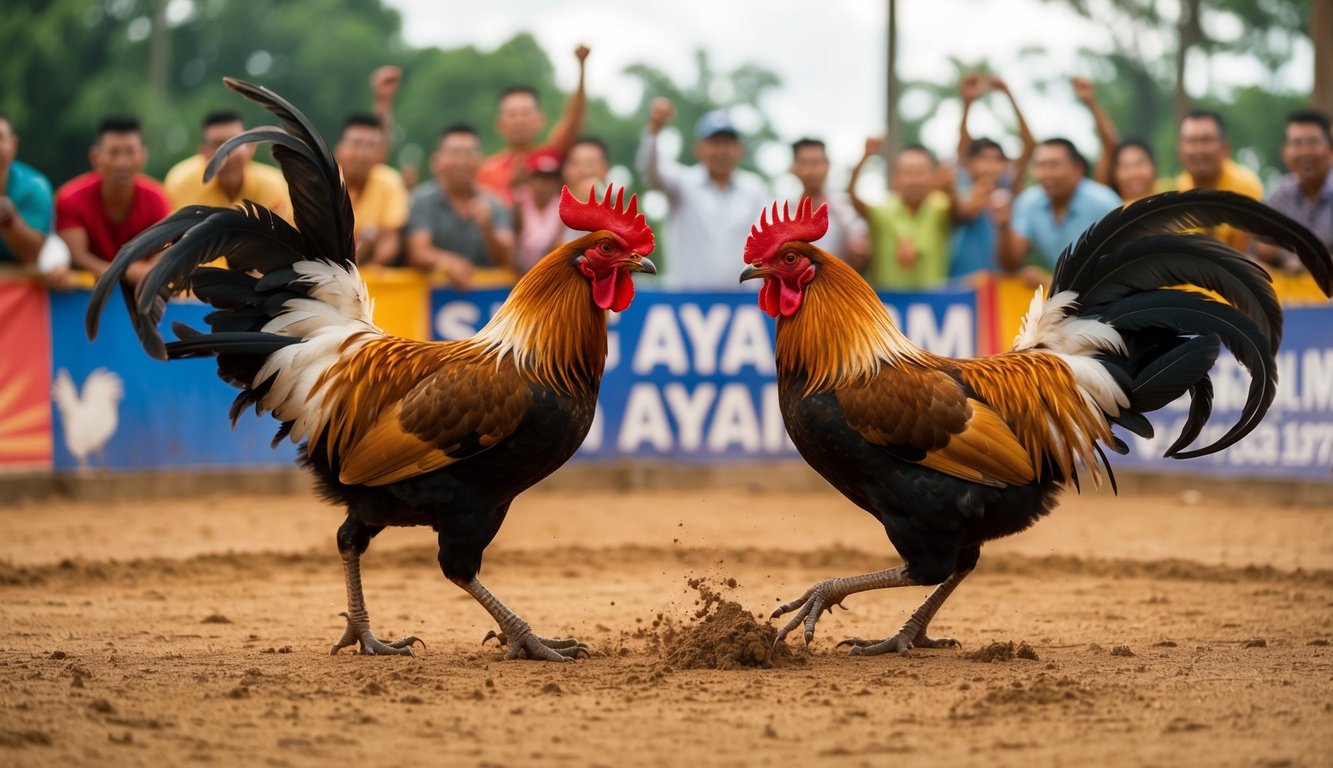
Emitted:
pixel 909 232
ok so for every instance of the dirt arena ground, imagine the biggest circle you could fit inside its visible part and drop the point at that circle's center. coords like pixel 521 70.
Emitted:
pixel 1166 630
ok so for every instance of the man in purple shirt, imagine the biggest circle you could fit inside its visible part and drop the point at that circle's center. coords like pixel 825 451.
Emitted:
pixel 1306 193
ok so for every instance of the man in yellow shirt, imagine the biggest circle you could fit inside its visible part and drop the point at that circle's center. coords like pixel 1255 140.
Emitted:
pixel 1205 156
pixel 379 197
pixel 238 179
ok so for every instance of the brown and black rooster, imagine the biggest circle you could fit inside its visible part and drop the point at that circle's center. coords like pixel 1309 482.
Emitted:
pixel 440 434
pixel 948 454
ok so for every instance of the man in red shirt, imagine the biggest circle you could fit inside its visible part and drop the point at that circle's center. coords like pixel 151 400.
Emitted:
pixel 98 212
pixel 519 122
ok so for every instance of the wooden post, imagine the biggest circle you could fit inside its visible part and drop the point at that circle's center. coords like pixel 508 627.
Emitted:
pixel 1321 34
pixel 1190 33
pixel 892 123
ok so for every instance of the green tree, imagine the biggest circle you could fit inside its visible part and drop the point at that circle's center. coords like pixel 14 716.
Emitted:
pixel 70 62
pixel 1141 81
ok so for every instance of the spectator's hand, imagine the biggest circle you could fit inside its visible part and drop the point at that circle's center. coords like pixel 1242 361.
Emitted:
pixel 874 145
pixel 384 83
pixel 1001 207
pixel 59 278
pixel 1290 263
pixel 907 255
pixel 998 84
pixel 480 211
pixel 581 53
pixel 137 271
pixel 983 189
pixel 7 211
pixel 1083 89
pixel 1034 276
pixel 365 245
pixel 971 87
pixel 945 175
pixel 458 269
pixel 660 112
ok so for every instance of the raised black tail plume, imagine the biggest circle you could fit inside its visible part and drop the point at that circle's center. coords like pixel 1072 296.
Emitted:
pixel 1138 270
pixel 271 263
pixel 250 236
pixel 320 205
pixel 1172 213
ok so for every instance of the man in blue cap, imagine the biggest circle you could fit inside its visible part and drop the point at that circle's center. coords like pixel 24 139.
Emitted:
pixel 713 203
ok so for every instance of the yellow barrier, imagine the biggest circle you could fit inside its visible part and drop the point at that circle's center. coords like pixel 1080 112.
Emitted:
pixel 1011 297
pixel 1298 289
pixel 402 303
pixel 402 296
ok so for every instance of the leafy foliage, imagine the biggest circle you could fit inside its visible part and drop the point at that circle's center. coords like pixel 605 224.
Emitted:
pixel 70 62
pixel 1138 74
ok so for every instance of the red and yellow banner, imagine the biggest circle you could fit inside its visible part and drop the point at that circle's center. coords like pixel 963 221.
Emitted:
pixel 25 377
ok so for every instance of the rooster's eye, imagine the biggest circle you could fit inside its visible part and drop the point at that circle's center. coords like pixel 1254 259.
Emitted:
pixel 606 247
pixel 790 258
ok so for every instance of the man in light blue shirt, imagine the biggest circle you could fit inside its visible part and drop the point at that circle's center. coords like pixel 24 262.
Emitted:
pixel 26 203
pixel 713 203
pixel 1048 217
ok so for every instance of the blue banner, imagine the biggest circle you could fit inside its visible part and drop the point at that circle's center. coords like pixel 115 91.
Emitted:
pixel 1295 439
pixel 167 416
pixel 690 376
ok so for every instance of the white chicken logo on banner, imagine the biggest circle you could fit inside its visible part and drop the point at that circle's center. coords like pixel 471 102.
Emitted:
pixel 89 420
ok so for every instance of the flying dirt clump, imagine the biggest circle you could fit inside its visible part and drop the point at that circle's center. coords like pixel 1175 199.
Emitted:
pixel 722 634
pixel 1003 652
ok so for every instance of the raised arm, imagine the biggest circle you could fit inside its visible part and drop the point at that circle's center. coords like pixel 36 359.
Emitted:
pixel 1106 132
pixel 874 145
pixel 1010 246
pixel 384 84
pixel 660 174
pixel 975 202
pixel 570 125
pixel 970 89
pixel 1024 133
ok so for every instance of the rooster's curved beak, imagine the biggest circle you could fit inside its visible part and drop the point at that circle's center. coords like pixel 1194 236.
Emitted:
pixel 641 264
pixel 752 272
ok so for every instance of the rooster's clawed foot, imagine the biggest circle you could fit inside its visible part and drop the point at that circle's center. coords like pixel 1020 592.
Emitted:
pixel 808 607
pixel 525 643
pixel 899 643
pixel 359 633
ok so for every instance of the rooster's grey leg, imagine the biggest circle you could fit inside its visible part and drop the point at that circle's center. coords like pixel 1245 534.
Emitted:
pixel 353 538
pixel 826 594
pixel 913 633
pixel 515 632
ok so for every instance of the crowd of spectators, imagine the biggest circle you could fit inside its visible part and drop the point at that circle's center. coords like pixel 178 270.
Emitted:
pixel 981 212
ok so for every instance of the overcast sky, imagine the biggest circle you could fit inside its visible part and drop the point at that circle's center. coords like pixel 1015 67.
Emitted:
pixel 829 55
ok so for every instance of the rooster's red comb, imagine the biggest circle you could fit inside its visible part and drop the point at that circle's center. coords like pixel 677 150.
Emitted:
pixel 775 229
pixel 593 216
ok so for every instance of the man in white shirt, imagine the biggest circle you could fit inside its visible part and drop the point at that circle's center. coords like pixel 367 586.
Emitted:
pixel 713 203
pixel 847 237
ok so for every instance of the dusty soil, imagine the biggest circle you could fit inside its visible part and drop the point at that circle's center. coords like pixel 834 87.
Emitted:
pixel 1121 631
